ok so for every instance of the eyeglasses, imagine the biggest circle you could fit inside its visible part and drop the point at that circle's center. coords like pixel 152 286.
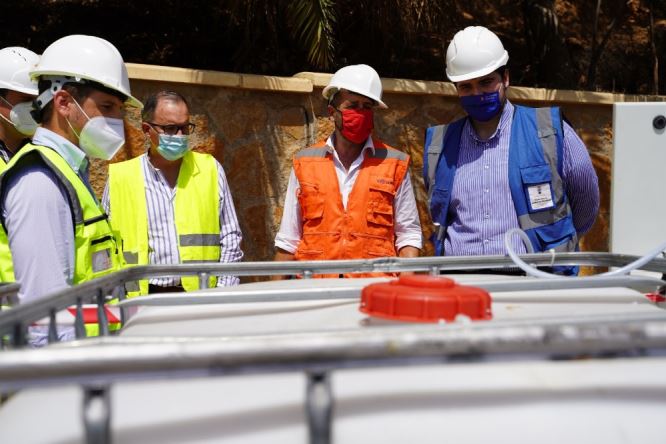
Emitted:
pixel 172 130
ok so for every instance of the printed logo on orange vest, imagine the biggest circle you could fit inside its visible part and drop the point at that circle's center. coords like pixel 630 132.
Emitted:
pixel 383 181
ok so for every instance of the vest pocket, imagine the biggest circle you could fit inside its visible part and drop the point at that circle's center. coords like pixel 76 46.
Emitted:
pixel 380 213
pixel 309 254
pixel 380 209
pixel 557 234
pixel 311 202
pixel 537 186
pixel 102 252
pixel 375 248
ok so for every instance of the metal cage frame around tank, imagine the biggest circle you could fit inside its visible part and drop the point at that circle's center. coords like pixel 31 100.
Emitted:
pixel 96 363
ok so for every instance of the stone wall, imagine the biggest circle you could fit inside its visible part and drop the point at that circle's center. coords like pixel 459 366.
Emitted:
pixel 254 124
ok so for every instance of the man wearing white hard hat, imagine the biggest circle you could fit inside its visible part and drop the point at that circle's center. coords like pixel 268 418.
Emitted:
pixel 56 229
pixel 350 196
pixel 504 166
pixel 17 90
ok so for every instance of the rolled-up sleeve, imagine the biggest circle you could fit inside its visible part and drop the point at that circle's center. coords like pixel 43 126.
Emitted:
pixel 291 230
pixel 407 225
pixel 580 181
pixel 230 232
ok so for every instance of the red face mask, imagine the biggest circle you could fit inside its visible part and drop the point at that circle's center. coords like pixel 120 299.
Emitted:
pixel 357 124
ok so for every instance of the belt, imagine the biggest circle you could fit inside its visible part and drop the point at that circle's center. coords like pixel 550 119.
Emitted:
pixel 159 289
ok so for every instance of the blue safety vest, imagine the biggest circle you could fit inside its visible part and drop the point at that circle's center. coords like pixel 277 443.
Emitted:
pixel 535 168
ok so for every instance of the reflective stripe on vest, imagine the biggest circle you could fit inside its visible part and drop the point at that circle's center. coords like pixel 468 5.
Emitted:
pixel 540 131
pixel 96 253
pixel 196 209
pixel 365 229
pixel 535 157
pixel 439 165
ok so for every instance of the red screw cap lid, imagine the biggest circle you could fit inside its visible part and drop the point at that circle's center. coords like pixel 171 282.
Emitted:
pixel 421 298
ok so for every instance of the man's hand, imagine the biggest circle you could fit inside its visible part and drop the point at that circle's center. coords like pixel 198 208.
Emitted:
pixel 408 252
pixel 281 255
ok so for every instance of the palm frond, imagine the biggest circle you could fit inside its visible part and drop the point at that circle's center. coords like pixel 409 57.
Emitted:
pixel 311 23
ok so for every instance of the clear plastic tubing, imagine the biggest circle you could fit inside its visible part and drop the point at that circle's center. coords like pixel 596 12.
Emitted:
pixel 532 271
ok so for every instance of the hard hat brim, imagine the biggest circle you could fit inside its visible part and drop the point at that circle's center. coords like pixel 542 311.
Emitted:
pixel 479 73
pixel 330 90
pixel 22 89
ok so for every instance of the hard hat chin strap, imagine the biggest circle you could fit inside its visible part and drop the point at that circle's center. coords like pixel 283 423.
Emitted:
pixel 57 83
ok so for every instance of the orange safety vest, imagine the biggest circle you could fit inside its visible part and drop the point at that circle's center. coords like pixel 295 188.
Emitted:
pixel 365 229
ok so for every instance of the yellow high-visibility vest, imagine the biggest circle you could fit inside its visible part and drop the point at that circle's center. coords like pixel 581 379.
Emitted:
pixel 6 265
pixel 96 252
pixel 196 208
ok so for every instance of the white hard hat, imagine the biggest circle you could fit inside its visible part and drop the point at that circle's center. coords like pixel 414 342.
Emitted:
pixel 474 52
pixel 15 64
pixel 85 57
pixel 359 79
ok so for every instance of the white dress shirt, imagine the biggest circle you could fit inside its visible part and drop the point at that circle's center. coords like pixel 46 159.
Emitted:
pixel 407 226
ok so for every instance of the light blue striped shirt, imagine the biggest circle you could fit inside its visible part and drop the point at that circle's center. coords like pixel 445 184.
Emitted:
pixel 39 223
pixel 482 209
pixel 162 236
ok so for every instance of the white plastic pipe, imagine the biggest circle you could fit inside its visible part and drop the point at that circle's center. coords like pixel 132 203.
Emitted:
pixel 532 271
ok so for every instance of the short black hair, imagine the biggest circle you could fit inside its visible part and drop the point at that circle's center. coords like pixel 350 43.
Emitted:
pixel 150 103
pixel 78 90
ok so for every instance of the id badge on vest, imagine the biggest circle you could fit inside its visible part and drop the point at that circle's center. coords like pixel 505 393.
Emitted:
pixel 101 260
pixel 540 197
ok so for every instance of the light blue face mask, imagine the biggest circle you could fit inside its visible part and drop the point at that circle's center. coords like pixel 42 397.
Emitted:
pixel 173 147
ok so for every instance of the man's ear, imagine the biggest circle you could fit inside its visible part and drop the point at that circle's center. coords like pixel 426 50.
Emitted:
pixel 146 128
pixel 61 102
pixel 505 78
pixel 331 110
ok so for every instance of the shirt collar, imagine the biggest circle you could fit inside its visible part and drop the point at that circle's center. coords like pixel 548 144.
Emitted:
pixel 72 154
pixel 330 146
pixel 4 152
pixel 504 123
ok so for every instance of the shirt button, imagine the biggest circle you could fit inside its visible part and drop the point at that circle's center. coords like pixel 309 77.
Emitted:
pixel 486 190
pixel 486 166
pixel 487 216
pixel 485 241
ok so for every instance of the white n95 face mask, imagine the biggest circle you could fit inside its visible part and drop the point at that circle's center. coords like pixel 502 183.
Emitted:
pixel 102 137
pixel 22 119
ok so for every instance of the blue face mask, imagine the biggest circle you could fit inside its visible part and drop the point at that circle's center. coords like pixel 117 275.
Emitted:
pixel 482 107
pixel 173 147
